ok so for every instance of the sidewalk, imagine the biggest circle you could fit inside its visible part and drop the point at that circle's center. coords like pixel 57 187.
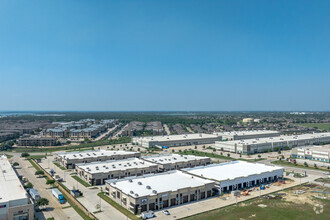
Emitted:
pixel 222 201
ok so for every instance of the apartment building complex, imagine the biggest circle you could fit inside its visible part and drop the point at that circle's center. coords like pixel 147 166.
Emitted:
pixel 37 141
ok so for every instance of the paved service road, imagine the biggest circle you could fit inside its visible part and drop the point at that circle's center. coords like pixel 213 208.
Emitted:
pixel 55 209
pixel 90 198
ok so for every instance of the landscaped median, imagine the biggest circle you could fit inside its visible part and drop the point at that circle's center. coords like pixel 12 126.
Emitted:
pixel 78 207
pixel 59 166
pixel 81 181
pixel 117 206
pixel 289 164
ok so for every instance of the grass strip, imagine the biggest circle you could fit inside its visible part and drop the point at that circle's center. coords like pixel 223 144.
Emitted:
pixel 117 206
pixel 81 181
pixel 59 166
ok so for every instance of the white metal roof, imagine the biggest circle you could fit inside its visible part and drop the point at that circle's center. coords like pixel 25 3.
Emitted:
pixel 250 132
pixel 113 165
pixel 161 183
pixel 89 154
pixel 10 186
pixel 177 137
pixel 278 139
pixel 172 158
pixel 230 170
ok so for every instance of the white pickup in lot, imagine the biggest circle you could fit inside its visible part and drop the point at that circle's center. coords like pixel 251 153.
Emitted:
pixel 147 215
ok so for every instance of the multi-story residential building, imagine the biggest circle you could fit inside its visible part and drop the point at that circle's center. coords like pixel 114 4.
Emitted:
pixel 37 141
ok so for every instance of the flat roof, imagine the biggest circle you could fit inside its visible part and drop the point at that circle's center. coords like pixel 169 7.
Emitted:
pixel 113 165
pixel 316 148
pixel 171 158
pixel 161 183
pixel 93 153
pixel 230 170
pixel 11 187
pixel 277 139
pixel 250 132
pixel 177 137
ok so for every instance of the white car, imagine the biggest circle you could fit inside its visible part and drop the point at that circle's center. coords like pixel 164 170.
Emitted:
pixel 166 212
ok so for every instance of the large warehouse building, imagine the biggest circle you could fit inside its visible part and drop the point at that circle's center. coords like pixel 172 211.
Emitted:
pixel 259 145
pixel 168 162
pixel 154 192
pixel 237 175
pixel 317 153
pixel 69 160
pixel 176 140
pixel 239 135
pixel 14 201
pixel 96 173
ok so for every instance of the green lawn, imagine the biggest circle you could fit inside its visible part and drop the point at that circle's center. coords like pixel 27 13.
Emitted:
pixel 276 209
pixel 81 181
pixel 59 166
pixel 321 126
pixel 36 157
pixel 217 156
pixel 117 206
pixel 9 156
pixel 288 164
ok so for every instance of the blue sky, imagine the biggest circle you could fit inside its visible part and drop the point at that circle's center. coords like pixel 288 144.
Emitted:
pixel 165 55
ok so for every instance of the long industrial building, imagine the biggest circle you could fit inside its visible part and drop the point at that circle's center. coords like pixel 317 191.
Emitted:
pixel 317 153
pixel 259 145
pixel 155 192
pixel 14 201
pixel 70 159
pixel 237 175
pixel 176 140
pixel 96 173
pixel 239 135
pixel 167 162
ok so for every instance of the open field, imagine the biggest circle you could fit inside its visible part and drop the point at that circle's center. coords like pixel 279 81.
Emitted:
pixel 287 206
pixel 321 126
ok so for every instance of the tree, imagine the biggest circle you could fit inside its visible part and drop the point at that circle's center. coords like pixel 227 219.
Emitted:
pixel 49 182
pixel 138 149
pixel 315 165
pixel 39 172
pixel 305 164
pixel 195 147
pixel 259 155
pixel 214 150
pixel 173 151
pixel 28 185
pixel 240 155
pixel 43 202
pixel 98 206
pixel 25 154
pixel 279 152
pixel 228 155
pixel 16 164
pixel 204 147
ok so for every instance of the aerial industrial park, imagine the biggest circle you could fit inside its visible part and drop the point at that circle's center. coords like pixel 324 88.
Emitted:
pixel 114 174
pixel 165 110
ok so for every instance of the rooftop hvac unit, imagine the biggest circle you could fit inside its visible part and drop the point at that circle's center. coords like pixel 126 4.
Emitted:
pixel 130 180
pixel 140 183
pixel 154 191
pixel 136 194
pixel 131 192
pixel 148 187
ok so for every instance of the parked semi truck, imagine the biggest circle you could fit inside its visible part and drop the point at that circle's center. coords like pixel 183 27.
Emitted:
pixel 34 194
pixel 58 195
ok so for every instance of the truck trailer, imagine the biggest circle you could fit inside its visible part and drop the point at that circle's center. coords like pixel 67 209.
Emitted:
pixel 34 194
pixel 58 195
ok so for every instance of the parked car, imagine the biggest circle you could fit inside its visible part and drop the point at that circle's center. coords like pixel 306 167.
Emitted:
pixel 147 215
pixel 166 212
